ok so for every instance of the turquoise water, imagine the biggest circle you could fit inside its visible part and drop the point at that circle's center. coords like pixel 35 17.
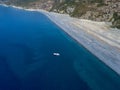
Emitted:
pixel 27 43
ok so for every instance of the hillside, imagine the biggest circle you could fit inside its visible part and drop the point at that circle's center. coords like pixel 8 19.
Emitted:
pixel 36 4
pixel 97 10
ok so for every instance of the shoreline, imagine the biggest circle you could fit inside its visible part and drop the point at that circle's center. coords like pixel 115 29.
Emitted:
pixel 103 48
pixel 97 37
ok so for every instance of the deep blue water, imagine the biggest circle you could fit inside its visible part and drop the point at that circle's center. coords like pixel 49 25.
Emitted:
pixel 27 43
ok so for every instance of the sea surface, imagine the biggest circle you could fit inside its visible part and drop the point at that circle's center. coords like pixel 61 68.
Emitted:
pixel 28 40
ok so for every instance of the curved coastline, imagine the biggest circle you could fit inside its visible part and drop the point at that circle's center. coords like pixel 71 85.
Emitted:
pixel 97 37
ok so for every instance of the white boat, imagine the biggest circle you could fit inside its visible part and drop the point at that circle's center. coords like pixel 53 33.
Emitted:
pixel 56 54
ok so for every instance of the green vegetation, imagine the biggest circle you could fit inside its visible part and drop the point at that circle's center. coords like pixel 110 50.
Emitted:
pixel 116 16
pixel 81 7
pixel 79 10
pixel 116 22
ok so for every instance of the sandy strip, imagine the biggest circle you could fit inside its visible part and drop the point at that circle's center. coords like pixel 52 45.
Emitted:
pixel 97 37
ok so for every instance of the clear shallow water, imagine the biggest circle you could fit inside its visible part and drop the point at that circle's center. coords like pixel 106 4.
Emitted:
pixel 27 43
